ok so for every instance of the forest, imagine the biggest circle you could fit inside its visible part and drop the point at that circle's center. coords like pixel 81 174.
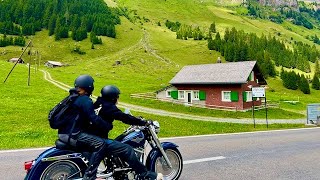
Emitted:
pixel 240 46
pixel 26 17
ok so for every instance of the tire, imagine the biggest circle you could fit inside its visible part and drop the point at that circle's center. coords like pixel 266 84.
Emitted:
pixel 61 170
pixel 160 165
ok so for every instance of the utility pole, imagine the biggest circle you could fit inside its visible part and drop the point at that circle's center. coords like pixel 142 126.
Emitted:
pixel 17 61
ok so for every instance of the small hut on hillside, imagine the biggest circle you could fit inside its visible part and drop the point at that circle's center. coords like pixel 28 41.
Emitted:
pixel 53 64
pixel 14 60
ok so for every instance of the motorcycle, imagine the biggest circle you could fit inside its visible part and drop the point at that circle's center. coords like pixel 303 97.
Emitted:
pixel 65 162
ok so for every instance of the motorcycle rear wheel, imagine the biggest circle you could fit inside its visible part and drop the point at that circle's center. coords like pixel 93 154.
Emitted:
pixel 175 159
pixel 61 170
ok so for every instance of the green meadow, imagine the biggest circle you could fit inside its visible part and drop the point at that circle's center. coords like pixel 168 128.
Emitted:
pixel 24 111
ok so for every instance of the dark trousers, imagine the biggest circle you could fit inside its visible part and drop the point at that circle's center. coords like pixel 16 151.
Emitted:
pixel 101 147
pixel 126 153
pixel 96 145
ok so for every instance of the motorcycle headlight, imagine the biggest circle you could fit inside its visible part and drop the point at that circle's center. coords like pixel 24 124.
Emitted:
pixel 156 126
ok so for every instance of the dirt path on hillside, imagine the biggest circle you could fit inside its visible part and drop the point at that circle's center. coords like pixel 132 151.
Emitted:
pixel 159 112
pixel 145 41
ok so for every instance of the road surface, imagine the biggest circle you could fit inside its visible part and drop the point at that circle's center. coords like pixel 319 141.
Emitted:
pixel 271 155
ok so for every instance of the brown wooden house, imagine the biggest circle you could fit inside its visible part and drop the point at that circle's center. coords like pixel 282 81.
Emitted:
pixel 221 85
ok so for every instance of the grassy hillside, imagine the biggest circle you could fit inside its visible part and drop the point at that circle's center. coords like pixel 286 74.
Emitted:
pixel 150 56
pixel 149 53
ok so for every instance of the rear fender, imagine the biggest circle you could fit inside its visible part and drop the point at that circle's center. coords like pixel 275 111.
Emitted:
pixel 51 155
pixel 154 153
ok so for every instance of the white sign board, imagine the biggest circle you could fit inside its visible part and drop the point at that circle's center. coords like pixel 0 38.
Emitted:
pixel 258 92
pixel 313 112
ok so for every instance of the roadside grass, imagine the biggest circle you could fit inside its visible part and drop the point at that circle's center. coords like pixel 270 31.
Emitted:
pixel 272 113
pixel 24 109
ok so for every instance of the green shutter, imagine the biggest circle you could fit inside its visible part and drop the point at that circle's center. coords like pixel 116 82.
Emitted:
pixel 202 95
pixel 249 78
pixel 174 94
pixel 244 95
pixel 234 96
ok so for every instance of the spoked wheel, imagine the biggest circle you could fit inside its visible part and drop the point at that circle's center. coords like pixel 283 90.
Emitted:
pixel 61 170
pixel 175 159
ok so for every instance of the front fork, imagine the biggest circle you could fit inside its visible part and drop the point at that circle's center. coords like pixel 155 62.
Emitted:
pixel 158 144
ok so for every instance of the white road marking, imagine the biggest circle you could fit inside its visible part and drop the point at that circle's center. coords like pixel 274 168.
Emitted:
pixel 203 160
pixel 230 134
pixel 23 150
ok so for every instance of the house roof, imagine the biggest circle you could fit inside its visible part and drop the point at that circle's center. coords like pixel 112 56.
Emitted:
pixel 55 63
pixel 164 89
pixel 219 73
pixel 15 59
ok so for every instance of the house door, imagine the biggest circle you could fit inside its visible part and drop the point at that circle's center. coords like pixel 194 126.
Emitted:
pixel 189 97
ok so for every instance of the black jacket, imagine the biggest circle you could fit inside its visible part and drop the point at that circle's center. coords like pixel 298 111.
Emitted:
pixel 87 118
pixel 110 112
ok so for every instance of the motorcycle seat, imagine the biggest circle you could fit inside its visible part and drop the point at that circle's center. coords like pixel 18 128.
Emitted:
pixel 63 146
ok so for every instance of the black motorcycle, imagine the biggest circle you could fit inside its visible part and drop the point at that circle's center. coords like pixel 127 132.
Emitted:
pixel 63 162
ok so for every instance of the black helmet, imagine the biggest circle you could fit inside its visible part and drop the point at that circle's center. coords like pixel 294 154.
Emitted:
pixel 85 82
pixel 110 93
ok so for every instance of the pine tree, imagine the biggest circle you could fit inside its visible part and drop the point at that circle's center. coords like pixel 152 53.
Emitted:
pixel 52 24
pixel 212 28
pixel 315 83
pixel 57 30
pixel 317 68
pixel 218 41
pixel 304 85
pixel 282 72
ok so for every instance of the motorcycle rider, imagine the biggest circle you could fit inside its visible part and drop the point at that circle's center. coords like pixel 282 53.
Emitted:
pixel 110 112
pixel 80 138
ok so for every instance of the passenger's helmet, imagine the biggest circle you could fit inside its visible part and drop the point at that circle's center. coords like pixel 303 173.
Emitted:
pixel 85 82
pixel 110 93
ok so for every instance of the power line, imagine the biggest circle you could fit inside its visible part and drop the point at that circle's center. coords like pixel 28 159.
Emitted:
pixel 18 60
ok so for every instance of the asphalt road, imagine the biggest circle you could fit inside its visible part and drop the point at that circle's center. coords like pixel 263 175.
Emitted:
pixel 290 154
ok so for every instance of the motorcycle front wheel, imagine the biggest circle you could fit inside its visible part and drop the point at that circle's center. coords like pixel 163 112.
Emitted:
pixel 61 170
pixel 175 159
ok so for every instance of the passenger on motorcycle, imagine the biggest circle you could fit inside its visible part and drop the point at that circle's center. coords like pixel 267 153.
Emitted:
pixel 80 138
pixel 110 112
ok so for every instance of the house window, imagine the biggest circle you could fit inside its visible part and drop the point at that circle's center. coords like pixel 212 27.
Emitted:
pixel 226 96
pixel 196 95
pixel 248 95
pixel 168 93
pixel 181 94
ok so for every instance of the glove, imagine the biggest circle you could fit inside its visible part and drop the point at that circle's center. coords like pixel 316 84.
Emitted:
pixel 149 122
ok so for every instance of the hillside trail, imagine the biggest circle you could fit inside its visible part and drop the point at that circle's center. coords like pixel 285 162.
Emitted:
pixel 143 43
pixel 169 114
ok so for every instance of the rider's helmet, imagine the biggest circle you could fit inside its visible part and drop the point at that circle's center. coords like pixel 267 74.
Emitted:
pixel 110 93
pixel 85 82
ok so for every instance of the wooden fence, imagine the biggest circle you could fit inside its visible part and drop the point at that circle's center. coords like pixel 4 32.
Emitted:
pixel 153 96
